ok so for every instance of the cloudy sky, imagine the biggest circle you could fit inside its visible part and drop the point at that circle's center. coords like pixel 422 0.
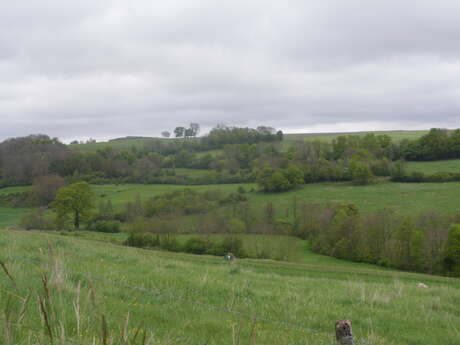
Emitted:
pixel 109 68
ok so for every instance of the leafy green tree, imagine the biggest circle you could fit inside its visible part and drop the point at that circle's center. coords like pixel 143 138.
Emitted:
pixel 398 171
pixel 195 129
pixel 279 135
pixel 179 132
pixel 279 183
pixel 361 173
pixel 76 199
pixel 294 175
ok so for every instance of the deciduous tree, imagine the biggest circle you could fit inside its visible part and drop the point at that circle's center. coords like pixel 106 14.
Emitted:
pixel 76 199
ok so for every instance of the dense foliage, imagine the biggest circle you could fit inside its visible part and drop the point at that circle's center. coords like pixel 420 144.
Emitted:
pixel 75 200
pixel 422 243
pixel 244 155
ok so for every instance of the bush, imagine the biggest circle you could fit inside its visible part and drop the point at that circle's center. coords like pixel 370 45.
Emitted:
pixel 107 226
pixel 241 190
pixel 361 173
pixel 196 245
pixel 142 240
pixel 231 244
pixel 169 242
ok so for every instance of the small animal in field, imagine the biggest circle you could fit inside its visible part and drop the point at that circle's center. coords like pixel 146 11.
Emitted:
pixel 230 257
pixel 421 285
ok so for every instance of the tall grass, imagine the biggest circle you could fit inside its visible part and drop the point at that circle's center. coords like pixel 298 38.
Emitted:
pixel 99 293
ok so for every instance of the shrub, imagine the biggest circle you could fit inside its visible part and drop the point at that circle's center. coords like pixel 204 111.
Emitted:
pixel 169 242
pixel 107 226
pixel 196 245
pixel 142 240
pixel 231 244
pixel 241 190
pixel 361 173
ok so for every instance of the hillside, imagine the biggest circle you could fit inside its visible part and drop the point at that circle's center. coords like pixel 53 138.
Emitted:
pixel 395 135
pixel 186 299
pixel 401 197
pixel 139 143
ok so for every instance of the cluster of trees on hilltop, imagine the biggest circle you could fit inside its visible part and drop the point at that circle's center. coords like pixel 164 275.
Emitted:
pixel 223 135
pixel 24 159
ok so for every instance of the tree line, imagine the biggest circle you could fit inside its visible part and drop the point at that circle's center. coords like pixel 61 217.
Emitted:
pixel 246 155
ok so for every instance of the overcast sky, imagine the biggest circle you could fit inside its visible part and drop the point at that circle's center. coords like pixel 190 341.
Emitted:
pixel 83 68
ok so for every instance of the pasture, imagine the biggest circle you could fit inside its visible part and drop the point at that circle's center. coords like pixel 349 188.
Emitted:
pixel 12 216
pixel 451 165
pixel 104 293
pixel 404 198
pixel 395 135
pixel 298 248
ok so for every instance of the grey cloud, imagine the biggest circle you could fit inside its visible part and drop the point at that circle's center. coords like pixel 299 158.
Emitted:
pixel 110 68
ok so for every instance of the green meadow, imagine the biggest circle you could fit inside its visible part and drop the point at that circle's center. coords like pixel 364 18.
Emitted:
pixel 452 165
pixel 404 198
pixel 12 216
pixel 65 290
pixel 395 135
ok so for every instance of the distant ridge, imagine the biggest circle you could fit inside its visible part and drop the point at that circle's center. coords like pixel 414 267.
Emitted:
pixel 131 137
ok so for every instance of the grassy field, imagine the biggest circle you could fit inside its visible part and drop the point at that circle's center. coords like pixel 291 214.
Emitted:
pixel 452 165
pixel 402 197
pixel 102 293
pixel 12 216
pixel 407 198
pixel 121 194
pixel 192 173
pixel 298 248
pixel 395 135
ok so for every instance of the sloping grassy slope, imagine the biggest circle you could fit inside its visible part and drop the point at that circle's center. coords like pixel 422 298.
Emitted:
pixel 185 299
pixel 402 197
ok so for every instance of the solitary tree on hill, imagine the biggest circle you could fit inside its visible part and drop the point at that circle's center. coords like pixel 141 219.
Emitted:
pixel 179 132
pixel 76 199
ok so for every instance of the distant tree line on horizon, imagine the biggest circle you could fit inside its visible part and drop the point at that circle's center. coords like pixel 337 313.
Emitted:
pixel 245 155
